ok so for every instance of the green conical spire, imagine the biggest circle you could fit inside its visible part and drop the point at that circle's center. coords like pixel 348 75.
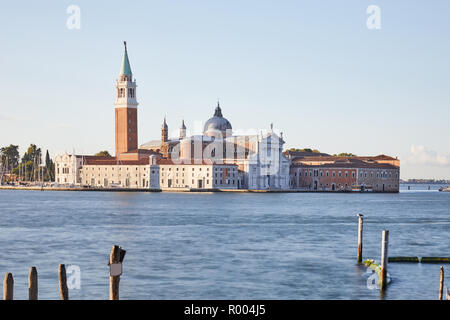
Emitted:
pixel 126 69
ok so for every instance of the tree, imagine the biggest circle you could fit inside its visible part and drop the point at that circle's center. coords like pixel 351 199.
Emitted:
pixel 31 161
pixel 9 157
pixel 103 153
pixel 344 154
pixel 33 153
pixel 49 168
pixel 304 150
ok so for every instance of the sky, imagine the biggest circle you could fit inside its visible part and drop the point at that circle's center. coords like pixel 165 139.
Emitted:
pixel 312 68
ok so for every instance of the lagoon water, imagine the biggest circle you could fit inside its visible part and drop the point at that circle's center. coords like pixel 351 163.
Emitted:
pixel 223 245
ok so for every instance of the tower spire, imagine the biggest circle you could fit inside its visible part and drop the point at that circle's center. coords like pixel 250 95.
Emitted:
pixel 126 69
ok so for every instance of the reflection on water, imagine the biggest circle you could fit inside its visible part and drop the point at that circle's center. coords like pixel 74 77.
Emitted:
pixel 223 245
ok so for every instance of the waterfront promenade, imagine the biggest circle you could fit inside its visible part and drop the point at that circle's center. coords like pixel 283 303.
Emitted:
pixel 92 189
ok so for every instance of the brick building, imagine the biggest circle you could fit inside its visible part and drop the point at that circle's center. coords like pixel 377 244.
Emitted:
pixel 328 173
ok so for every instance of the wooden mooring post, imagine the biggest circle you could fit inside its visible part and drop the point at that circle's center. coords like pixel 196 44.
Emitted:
pixel 8 287
pixel 63 290
pixel 441 287
pixel 384 259
pixel 360 237
pixel 115 271
pixel 33 284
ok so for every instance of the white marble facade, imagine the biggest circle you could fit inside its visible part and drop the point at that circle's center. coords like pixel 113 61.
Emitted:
pixel 268 167
pixel 67 169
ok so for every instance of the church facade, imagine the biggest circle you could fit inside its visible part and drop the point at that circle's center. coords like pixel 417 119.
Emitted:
pixel 259 158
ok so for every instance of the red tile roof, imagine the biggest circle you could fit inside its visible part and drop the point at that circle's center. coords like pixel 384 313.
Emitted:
pixel 165 161
pixel 335 158
pixel 295 154
pixel 99 160
pixel 348 163
pixel 141 151
pixel 109 161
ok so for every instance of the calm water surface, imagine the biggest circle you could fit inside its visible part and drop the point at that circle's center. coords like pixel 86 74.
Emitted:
pixel 223 245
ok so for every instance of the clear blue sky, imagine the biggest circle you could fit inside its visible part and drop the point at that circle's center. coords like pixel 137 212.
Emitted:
pixel 310 67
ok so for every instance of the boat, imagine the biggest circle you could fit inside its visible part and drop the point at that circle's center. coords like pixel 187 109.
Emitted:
pixel 444 189
pixel 362 188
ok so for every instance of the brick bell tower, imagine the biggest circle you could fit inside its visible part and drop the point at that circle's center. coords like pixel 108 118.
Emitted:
pixel 126 109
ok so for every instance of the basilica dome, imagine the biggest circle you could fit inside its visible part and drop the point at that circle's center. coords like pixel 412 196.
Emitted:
pixel 217 124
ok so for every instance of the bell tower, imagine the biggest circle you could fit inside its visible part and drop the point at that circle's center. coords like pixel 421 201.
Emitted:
pixel 165 139
pixel 164 131
pixel 182 130
pixel 126 109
